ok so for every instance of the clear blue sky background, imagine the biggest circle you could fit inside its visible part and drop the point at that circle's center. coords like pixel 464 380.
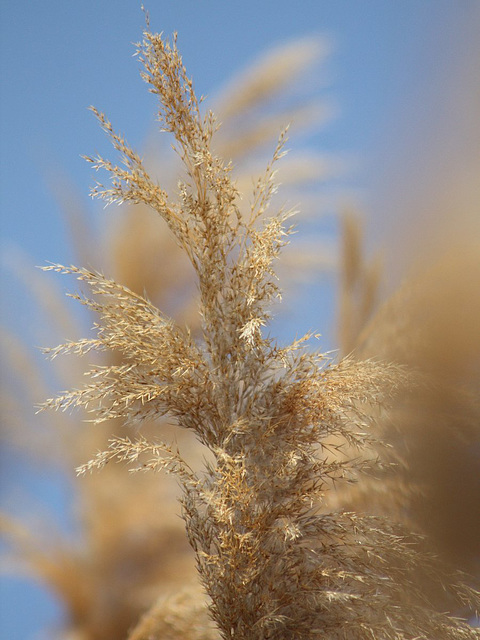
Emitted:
pixel 58 57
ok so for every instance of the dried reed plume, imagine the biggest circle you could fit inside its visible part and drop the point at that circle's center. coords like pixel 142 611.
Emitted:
pixel 272 560
pixel 117 533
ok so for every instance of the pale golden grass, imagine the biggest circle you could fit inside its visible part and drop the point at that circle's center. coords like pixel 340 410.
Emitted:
pixel 272 563
pixel 129 546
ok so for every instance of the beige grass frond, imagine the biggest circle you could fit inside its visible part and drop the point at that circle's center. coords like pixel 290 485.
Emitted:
pixel 127 525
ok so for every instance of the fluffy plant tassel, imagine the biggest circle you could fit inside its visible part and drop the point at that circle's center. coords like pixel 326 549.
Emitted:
pixel 278 424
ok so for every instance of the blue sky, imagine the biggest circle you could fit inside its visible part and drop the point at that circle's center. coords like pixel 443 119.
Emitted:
pixel 59 57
